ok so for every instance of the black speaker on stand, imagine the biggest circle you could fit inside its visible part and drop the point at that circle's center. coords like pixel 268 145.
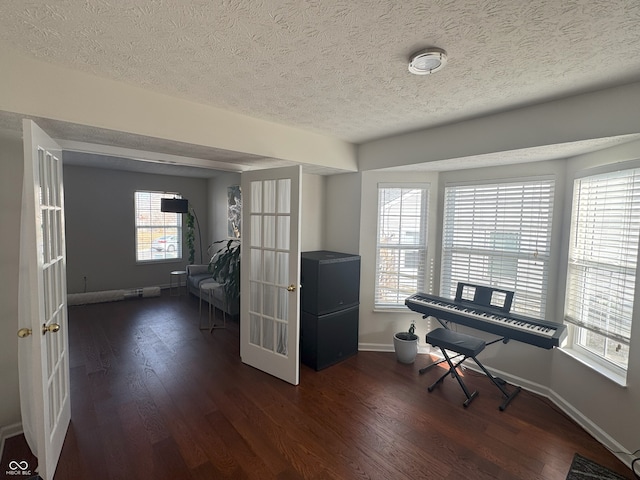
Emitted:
pixel 329 303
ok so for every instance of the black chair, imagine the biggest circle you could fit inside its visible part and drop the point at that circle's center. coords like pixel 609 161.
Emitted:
pixel 466 346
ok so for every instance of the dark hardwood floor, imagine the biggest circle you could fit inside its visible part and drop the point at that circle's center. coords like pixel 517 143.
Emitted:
pixel 154 397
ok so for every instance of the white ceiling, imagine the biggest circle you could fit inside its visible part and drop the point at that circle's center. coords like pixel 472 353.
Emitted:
pixel 338 67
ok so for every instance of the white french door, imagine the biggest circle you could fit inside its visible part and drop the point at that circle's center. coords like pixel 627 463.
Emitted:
pixel 270 272
pixel 43 347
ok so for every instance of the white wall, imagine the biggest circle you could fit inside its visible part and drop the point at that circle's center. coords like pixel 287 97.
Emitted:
pixel 11 169
pixel 100 227
pixel 342 213
pixel 312 216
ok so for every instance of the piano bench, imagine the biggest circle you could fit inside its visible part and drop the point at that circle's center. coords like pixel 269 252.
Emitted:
pixel 456 342
pixel 466 346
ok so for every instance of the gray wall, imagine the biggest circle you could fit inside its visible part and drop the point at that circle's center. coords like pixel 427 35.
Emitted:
pixel 218 207
pixel 11 168
pixel 100 228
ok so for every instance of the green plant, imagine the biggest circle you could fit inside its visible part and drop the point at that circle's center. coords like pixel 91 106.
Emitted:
pixel 410 334
pixel 191 238
pixel 225 267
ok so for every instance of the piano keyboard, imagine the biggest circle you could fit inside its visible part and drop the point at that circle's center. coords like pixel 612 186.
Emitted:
pixel 513 326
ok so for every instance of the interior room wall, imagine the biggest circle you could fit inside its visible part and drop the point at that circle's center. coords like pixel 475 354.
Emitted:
pixel 11 170
pixel 608 408
pixel 342 213
pixel 378 326
pixel 312 215
pixel 217 201
pixel 100 227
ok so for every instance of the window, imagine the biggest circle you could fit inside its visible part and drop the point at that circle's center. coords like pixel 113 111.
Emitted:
pixel 401 243
pixel 499 235
pixel 158 234
pixel 601 275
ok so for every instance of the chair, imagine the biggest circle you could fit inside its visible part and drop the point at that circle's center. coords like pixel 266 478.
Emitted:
pixel 466 346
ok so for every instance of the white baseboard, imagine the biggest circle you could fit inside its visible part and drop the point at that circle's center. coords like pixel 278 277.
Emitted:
pixel 385 347
pixel 9 431
pixel 587 425
pixel 374 347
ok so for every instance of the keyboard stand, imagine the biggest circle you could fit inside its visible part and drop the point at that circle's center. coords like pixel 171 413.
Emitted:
pixel 466 346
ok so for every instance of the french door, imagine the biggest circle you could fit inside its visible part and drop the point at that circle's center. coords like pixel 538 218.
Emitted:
pixel 270 272
pixel 43 363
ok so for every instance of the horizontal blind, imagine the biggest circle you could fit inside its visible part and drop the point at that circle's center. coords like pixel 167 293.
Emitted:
pixel 158 234
pixel 401 243
pixel 499 235
pixel 605 227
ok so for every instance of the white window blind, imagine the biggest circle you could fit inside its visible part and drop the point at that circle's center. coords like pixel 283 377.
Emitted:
pixel 401 243
pixel 603 251
pixel 158 234
pixel 499 235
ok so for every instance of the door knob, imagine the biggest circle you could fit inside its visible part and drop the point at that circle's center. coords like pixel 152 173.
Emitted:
pixel 24 332
pixel 291 288
pixel 53 328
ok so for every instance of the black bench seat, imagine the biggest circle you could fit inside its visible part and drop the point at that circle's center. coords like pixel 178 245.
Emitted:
pixel 466 346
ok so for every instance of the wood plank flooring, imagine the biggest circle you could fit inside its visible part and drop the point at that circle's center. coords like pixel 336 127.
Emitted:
pixel 154 397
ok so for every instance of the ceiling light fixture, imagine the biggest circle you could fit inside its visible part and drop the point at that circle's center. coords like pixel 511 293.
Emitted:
pixel 427 61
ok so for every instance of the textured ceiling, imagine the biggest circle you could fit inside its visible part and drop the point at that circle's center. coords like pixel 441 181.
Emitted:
pixel 339 67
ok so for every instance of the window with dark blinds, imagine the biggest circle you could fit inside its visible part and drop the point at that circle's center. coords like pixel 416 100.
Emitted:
pixel 158 234
pixel 401 243
pixel 603 252
pixel 499 235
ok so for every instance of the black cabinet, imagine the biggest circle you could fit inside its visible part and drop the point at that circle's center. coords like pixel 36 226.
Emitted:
pixel 329 302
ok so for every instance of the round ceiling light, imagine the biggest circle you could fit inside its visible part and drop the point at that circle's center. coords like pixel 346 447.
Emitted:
pixel 427 61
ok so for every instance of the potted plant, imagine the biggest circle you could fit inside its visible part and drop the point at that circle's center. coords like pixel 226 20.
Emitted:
pixel 191 239
pixel 225 268
pixel 406 344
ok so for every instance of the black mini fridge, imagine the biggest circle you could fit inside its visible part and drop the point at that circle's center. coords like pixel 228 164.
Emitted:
pixel 329 303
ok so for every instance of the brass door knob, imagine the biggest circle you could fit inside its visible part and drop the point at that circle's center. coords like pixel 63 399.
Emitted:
pixel 24 332
pixel 53 328
pixel 291 288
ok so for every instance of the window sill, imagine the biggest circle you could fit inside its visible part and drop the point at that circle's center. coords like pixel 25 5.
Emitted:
pixel 398 309
pixel 619 380
pixel 159 260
